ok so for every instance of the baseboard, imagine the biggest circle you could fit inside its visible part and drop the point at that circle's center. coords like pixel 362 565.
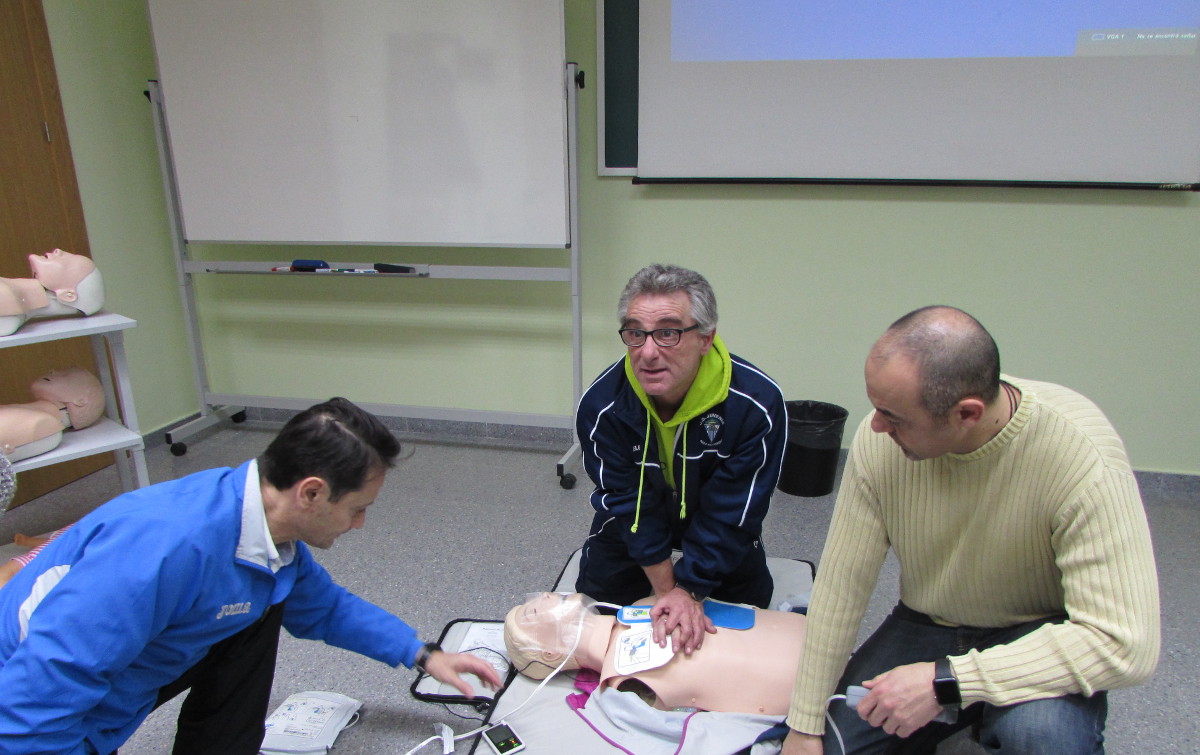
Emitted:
pixel 423 430
pixel 554 438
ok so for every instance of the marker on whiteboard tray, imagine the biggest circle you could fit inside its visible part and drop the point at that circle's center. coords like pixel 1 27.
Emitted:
pixel 310 266
pixel 387 267
pixel 284 269
pixel 358 270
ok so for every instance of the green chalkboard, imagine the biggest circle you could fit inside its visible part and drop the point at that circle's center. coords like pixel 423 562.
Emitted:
pixel 620 82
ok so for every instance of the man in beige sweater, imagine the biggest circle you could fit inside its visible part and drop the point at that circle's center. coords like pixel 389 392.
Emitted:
pixel 1027 577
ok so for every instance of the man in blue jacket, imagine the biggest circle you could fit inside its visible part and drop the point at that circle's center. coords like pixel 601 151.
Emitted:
pixel 684 442
pixel 185 584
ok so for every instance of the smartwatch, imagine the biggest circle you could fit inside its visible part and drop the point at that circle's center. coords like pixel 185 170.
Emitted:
pixel 945 684
pixel 423 654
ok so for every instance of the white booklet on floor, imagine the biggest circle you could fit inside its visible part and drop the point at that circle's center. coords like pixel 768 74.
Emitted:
pixel 308 722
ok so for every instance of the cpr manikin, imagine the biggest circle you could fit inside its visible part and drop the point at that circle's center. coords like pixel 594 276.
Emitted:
pixel 8 490
pixel 62 284
pixel 68 398
pixel 735 670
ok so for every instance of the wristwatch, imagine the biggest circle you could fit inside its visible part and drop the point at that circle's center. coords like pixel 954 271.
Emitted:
pixel 945 684
pixel 423 654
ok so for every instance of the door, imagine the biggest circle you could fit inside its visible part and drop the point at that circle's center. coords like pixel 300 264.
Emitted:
pixel 40 209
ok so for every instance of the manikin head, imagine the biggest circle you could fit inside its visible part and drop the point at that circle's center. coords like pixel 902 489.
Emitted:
pixel 60 272
pixel 544 630
pixel 72 278
pixel 74 389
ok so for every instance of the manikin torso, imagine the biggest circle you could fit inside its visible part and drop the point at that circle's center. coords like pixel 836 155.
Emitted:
pixel 735 670
pixel 22 296
pixel 28 430
pixel 70 397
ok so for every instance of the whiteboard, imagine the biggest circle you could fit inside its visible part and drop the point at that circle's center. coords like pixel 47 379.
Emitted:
pixel 424 122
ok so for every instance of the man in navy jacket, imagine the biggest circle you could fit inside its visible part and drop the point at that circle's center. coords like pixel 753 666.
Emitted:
pixel 185 584
pixel 684 442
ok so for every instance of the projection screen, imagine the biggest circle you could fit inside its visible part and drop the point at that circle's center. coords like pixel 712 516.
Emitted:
pixel 1054 91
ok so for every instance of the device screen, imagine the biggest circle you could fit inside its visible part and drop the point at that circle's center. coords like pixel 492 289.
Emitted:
pixel 503 739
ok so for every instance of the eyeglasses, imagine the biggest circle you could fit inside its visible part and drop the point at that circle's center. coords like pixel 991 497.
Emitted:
pixel 666 337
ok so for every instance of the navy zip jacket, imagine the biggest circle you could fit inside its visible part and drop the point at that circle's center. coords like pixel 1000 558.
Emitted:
pixel 725 463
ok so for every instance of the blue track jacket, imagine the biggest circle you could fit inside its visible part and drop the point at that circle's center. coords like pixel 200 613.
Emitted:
pixel 135 594
pixel 726 462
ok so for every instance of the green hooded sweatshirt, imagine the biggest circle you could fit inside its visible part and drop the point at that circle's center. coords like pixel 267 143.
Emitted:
pixel 710 388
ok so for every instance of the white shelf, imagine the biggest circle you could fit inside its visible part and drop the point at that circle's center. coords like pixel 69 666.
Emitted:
pixel 106 435
pixel 40 331
pixel 118 430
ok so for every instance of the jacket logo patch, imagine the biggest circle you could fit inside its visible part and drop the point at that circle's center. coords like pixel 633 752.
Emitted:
pixel 711 426
pixel 233 609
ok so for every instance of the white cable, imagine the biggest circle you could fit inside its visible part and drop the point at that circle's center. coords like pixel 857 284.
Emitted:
pixel 447 736
pixel 832 725
pixel 434 738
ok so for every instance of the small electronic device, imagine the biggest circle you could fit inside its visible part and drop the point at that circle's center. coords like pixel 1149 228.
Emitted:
pixel 630 615
pixel 502 739
pixel 854 695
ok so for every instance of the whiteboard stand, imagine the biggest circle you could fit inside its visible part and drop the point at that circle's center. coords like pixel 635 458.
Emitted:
pixel 216 407
pixel 574 82
pixel 210 415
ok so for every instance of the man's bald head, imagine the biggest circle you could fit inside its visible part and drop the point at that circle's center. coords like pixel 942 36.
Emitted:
pixel 956 357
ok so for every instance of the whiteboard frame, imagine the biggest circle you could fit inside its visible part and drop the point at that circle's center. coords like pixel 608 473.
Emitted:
pixel 367 121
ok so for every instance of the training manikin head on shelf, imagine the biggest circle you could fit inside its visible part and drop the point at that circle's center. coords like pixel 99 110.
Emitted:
pixel 70 397
pixel 735 670
pixel 72 390
pixel 62 284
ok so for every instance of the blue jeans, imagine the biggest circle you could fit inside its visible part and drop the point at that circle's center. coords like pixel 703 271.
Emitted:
pixel 1068 725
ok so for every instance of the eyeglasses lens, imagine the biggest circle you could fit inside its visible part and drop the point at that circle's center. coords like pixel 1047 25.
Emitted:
pixel 665 337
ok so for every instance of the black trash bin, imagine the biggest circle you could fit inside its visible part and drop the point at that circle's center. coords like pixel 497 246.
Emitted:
pixel 814 440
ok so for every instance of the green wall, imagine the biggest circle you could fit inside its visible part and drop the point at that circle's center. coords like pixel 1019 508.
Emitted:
pixel 103 58
pixel 1087 288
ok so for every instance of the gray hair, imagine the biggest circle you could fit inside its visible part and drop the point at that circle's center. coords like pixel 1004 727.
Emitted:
pixel 667 279
pixel 956 357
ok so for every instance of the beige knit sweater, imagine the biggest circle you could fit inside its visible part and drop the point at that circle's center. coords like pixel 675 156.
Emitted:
pixel 1044 518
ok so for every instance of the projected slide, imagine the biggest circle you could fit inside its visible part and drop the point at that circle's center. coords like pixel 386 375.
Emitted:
pixel 737 30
